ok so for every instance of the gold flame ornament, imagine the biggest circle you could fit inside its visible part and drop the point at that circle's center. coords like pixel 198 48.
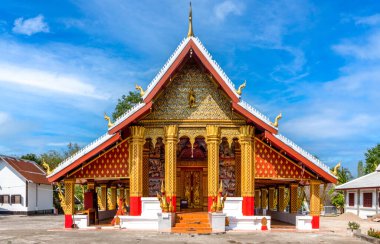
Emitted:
pixel 106 117
pixel 275 124
pixel 239 91
pixel 139 88
pixel 336 168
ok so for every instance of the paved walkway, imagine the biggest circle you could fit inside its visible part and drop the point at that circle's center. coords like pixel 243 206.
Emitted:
pixel 48 229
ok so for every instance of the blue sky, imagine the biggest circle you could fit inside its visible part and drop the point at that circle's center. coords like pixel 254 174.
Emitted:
pixel 64 63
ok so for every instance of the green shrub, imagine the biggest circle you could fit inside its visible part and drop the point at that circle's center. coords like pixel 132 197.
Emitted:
pixel 353 225
pixel 374 233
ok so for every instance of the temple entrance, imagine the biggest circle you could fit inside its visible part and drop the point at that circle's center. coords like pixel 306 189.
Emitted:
pixel 192 192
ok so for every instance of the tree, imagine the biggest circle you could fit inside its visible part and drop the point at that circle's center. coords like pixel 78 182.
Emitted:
pixel 372 159
pixel 32 157
pixel 360 169
pixel 125 103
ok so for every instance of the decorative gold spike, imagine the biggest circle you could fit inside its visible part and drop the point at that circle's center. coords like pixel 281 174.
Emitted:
pixel 139 88
pixel 335 171
pixel 190 33
pixel 106 117
pixel 239 91
pixel 275 124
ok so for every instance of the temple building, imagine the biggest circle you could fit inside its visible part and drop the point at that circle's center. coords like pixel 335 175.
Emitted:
pixel 193 135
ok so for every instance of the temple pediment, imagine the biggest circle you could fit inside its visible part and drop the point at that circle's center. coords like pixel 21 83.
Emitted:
pixel 192 95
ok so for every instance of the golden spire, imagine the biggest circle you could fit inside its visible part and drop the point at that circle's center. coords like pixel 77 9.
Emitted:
pixel 191 32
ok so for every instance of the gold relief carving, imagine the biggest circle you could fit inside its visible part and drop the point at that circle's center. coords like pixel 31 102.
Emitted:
pixel 247 160
pixel 211 102
pixel 272 204
pixel 196 190
pixel 192 133
pixel 171 139
pixel 230 134
pixel 188 187
pixel 264 198
pixel 315 199
pixel 103 197
pixel 238 171
pixel 213 141
pixel 191 98
pixel 113 200
pixel 136 144
pixel 154 133
pixel 69 196
pixel 145 174
pixel 257 199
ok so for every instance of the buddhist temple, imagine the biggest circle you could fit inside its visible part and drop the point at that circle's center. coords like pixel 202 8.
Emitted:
pixel 192 146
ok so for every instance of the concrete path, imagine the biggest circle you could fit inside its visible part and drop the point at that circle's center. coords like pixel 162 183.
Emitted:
pixel 48 229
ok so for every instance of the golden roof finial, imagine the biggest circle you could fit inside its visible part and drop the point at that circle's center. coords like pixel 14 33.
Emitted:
pixel 191 32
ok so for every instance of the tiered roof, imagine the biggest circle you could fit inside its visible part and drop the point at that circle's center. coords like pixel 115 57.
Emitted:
pixel 194 45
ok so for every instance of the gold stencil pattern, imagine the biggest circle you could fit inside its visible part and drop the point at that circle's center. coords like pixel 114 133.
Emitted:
pixel 113 163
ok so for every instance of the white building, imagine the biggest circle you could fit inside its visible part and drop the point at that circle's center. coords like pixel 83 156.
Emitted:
pixel 24 188
pixel 362 195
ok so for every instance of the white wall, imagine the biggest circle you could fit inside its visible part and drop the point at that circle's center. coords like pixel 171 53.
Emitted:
pixel 11 183
pixel 364 212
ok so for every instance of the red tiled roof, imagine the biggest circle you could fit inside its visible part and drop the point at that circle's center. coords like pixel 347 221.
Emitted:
pixel 28 169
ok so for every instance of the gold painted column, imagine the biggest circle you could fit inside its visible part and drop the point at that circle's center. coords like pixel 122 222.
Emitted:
pixel 315 203
pixel 113 201
pixel 257 198
pixel 213 142
pixel 103 197
pixel 69 204
pixel 136 144
pixel 264 198
pixel 281 199
pixel 272 206
pixel 171 139
pixel 127 196
pixel 247 147
pixel 293 197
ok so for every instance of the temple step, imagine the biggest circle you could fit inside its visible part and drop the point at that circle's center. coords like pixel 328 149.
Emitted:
pixel 192 223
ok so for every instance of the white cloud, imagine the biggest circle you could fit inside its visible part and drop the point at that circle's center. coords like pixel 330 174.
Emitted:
pixel 369 48
pixel 30 26
pixel 4 117
pixel 368 20
pixel 56 82
pixel 226 8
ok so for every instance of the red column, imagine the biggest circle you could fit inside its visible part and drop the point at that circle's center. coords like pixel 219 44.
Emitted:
pixel 315 222
pixel 68 220
pixel 248 206
pixel 134 206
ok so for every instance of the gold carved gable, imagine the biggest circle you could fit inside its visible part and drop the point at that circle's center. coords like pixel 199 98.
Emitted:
pixel 176 101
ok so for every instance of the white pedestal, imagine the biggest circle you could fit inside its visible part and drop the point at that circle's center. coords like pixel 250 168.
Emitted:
pixel 81 221
pixel 148 220
pixel 248 223
pixel 304 222
pixel 218 221
pixel 166 221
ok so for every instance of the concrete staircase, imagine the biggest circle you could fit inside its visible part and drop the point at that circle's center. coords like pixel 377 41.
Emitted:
pixel 192 223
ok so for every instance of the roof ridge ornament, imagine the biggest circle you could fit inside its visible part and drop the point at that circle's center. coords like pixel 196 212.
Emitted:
pixel 190 33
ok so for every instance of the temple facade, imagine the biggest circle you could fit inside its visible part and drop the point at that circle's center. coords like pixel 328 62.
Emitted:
pixel 192 134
